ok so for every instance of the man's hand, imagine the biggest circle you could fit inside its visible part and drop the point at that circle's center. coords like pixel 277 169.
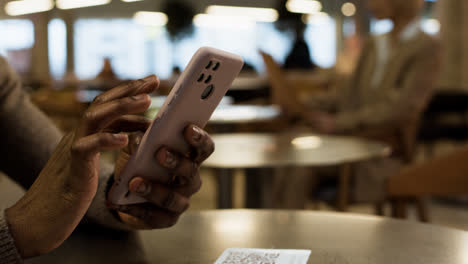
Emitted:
pixel 167 201
pixel 59 198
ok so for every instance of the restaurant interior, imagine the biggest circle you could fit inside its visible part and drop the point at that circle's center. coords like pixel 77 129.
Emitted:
pixel 344 133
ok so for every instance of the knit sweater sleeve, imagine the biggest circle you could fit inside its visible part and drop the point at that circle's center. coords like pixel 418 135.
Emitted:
pixel 27 140
pixel 8 252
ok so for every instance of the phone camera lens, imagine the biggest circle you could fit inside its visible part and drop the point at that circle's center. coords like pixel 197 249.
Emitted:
pixel 207 92
pixel 201 77
pixel 208 79
pixel 209 65
pixel 216 66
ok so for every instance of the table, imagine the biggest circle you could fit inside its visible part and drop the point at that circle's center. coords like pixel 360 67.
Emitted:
pixel 249 82
pixel 243 114
pixel 201 237
pixel 254 151
pixel 227 113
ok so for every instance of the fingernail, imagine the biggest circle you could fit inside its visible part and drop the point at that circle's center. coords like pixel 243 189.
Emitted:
pixel 139 97
pixel 197 134
pixel 122 208
pixel 170 159
pixel 139 187
pixel 149 78
pixel 142 188
pixel 119 137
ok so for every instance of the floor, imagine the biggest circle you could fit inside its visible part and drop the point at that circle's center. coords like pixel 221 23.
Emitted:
pixel 442 213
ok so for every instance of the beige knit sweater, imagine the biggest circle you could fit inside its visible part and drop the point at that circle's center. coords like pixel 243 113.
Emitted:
pixel 27 139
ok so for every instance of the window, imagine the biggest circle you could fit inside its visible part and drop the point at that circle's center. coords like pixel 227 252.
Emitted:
pixel 381 26
pixel 124 42
pixel 321 36
pixel 20 34
pixel 57 48
pixel 136 51
pixel 17 43
pixel 245 41
pixel 429 25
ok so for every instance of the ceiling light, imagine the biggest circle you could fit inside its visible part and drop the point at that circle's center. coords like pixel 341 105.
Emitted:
pixel 348 9
pixel 70 4
pixel 205 20
pixel 156 19
pixel 304 6
pixel 17 8
pixel 255 13
pixel 431 26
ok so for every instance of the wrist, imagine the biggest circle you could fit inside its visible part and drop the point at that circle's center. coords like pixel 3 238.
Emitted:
pixel 19 232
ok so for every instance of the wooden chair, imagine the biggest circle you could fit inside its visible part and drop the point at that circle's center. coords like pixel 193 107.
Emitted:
pixel 402 137
pixel 60 106
pixel 283 93
pixel 444 176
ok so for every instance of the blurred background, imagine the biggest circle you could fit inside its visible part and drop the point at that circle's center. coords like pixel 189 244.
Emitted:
pixel 46 46
pixel 69 51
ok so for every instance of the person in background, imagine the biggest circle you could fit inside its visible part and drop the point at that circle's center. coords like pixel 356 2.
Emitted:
pixel 293 25
pixel 106 78
pixel 299 56
pixel 107 73
pixel 394 76
pixel 388 90
pixel 64 178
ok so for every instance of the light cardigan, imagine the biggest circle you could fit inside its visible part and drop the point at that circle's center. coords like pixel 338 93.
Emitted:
pixel 27 140
pixel 405 87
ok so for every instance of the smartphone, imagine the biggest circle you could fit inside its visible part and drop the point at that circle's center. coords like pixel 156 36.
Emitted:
pixel 192 100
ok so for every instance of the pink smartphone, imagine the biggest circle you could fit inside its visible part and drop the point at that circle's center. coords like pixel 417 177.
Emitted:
pixel 192 100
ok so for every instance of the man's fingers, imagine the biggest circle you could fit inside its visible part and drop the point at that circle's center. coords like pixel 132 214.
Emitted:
pixel 100 116
pixel 200 141
pixel 129 123
pixel 159 195
pixel 185 170
pixel 88 146
pixel 190 189
pixel 146 85
pixel 147 216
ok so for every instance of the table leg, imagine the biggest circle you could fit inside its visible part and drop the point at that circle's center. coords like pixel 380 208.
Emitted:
pixel 423 212
pixel 225 185
pixel 343 187
pixel 258 191
pixel 399 208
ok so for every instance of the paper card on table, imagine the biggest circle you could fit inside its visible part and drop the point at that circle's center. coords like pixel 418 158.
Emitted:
pixel 263 256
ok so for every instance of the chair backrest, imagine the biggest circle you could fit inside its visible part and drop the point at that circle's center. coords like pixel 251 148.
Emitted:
pixel 445 175
pixel 282 94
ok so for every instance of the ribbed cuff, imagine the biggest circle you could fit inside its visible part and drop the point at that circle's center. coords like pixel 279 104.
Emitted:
pixel 8 251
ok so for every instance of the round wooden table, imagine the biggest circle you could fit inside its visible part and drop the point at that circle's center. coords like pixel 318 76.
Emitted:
pixel 227 113
pixel 242 114
pixel 254 151
pixel 201 237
